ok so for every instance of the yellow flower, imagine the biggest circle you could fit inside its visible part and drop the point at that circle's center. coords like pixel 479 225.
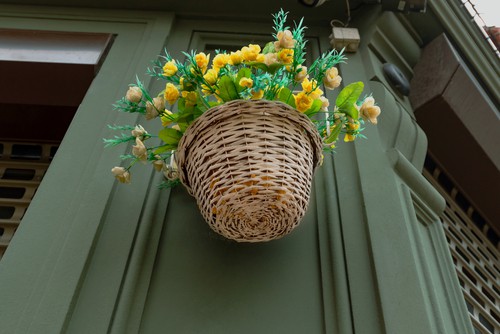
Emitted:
pixel 202 61
pixel 246 82
pixel 250 52
pixel 169 69
pixel 171 93
pixel 220 60
pixel 286 56
pixel 139 150
pixel 121 174
pixel 235 58
pixel 285 40
pixel 301 74
pixel 260 58
pixel 206 90
pixel 311 88
pixel 369 111
pixel 332 78
pixel 211 76
pixel 352 130
pixel 303 101
pixel 134 94
pixel 176 127
pixel 257 95
pixel 166 119
pixel 191 98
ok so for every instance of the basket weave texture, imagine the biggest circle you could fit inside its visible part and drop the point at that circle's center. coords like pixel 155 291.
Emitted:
pixel 249 164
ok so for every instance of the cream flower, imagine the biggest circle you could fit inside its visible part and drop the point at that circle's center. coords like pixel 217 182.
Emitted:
pixel 270 58
pixel 158 164
pixel 324 103
pixel 369 111
pixel 332 78
pixel 121 174
pixel 134 94
pixel 153 109
pixel 301 74
pixel 285 40
pixel 138 131
pixel 139 150
pixel 171 93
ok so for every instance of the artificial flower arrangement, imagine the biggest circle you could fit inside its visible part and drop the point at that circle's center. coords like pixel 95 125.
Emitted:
pixel 249 76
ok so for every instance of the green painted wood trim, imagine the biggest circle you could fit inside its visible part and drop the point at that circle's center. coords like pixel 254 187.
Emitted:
pixel 45 265
pixel 464 32
pixel 446 303
pixel 415 180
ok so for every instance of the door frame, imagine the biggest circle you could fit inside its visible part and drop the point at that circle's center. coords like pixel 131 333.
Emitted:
pixel 47 260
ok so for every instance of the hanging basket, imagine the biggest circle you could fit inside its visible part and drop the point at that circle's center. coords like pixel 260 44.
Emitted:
pixel 249 164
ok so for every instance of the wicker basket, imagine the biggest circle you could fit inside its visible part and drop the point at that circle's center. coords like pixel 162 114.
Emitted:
pixel 249 164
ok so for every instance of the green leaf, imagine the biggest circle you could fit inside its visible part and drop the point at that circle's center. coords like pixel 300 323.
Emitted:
pixel 285 95
pixel 348 97
pixel 164 148
pixel 227 89
pixel 256 64
pixel 274 67
pixel 316 106
pixel 334 134
pixel 170 136
pixel 269 69
pixel 269 48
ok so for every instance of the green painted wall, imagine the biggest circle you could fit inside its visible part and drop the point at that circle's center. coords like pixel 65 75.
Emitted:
pixel 92 256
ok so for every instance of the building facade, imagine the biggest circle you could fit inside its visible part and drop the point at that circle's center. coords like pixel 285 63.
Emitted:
pixel 371 256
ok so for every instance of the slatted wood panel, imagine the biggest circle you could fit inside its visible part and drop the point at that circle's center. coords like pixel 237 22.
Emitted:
pixel 474 246
pixel 22 167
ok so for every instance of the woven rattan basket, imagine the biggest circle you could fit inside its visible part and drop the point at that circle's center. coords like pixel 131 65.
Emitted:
pixel 249 164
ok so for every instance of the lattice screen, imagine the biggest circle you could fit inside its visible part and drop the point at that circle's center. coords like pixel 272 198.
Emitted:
pixel 22 166
pixel 474 246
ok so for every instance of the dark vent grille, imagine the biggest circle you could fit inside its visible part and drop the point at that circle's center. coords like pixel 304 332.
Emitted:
pixel 22 167
pixel 474 247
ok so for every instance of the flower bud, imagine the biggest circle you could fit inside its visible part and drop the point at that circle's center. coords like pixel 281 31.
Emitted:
pixel 138 131
pixel 139 150
pixel 332 78
pixel 369 111
pixel 301 74
pixel 121 174
pixel 153 109
pixel 158 164
pixel 134 94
